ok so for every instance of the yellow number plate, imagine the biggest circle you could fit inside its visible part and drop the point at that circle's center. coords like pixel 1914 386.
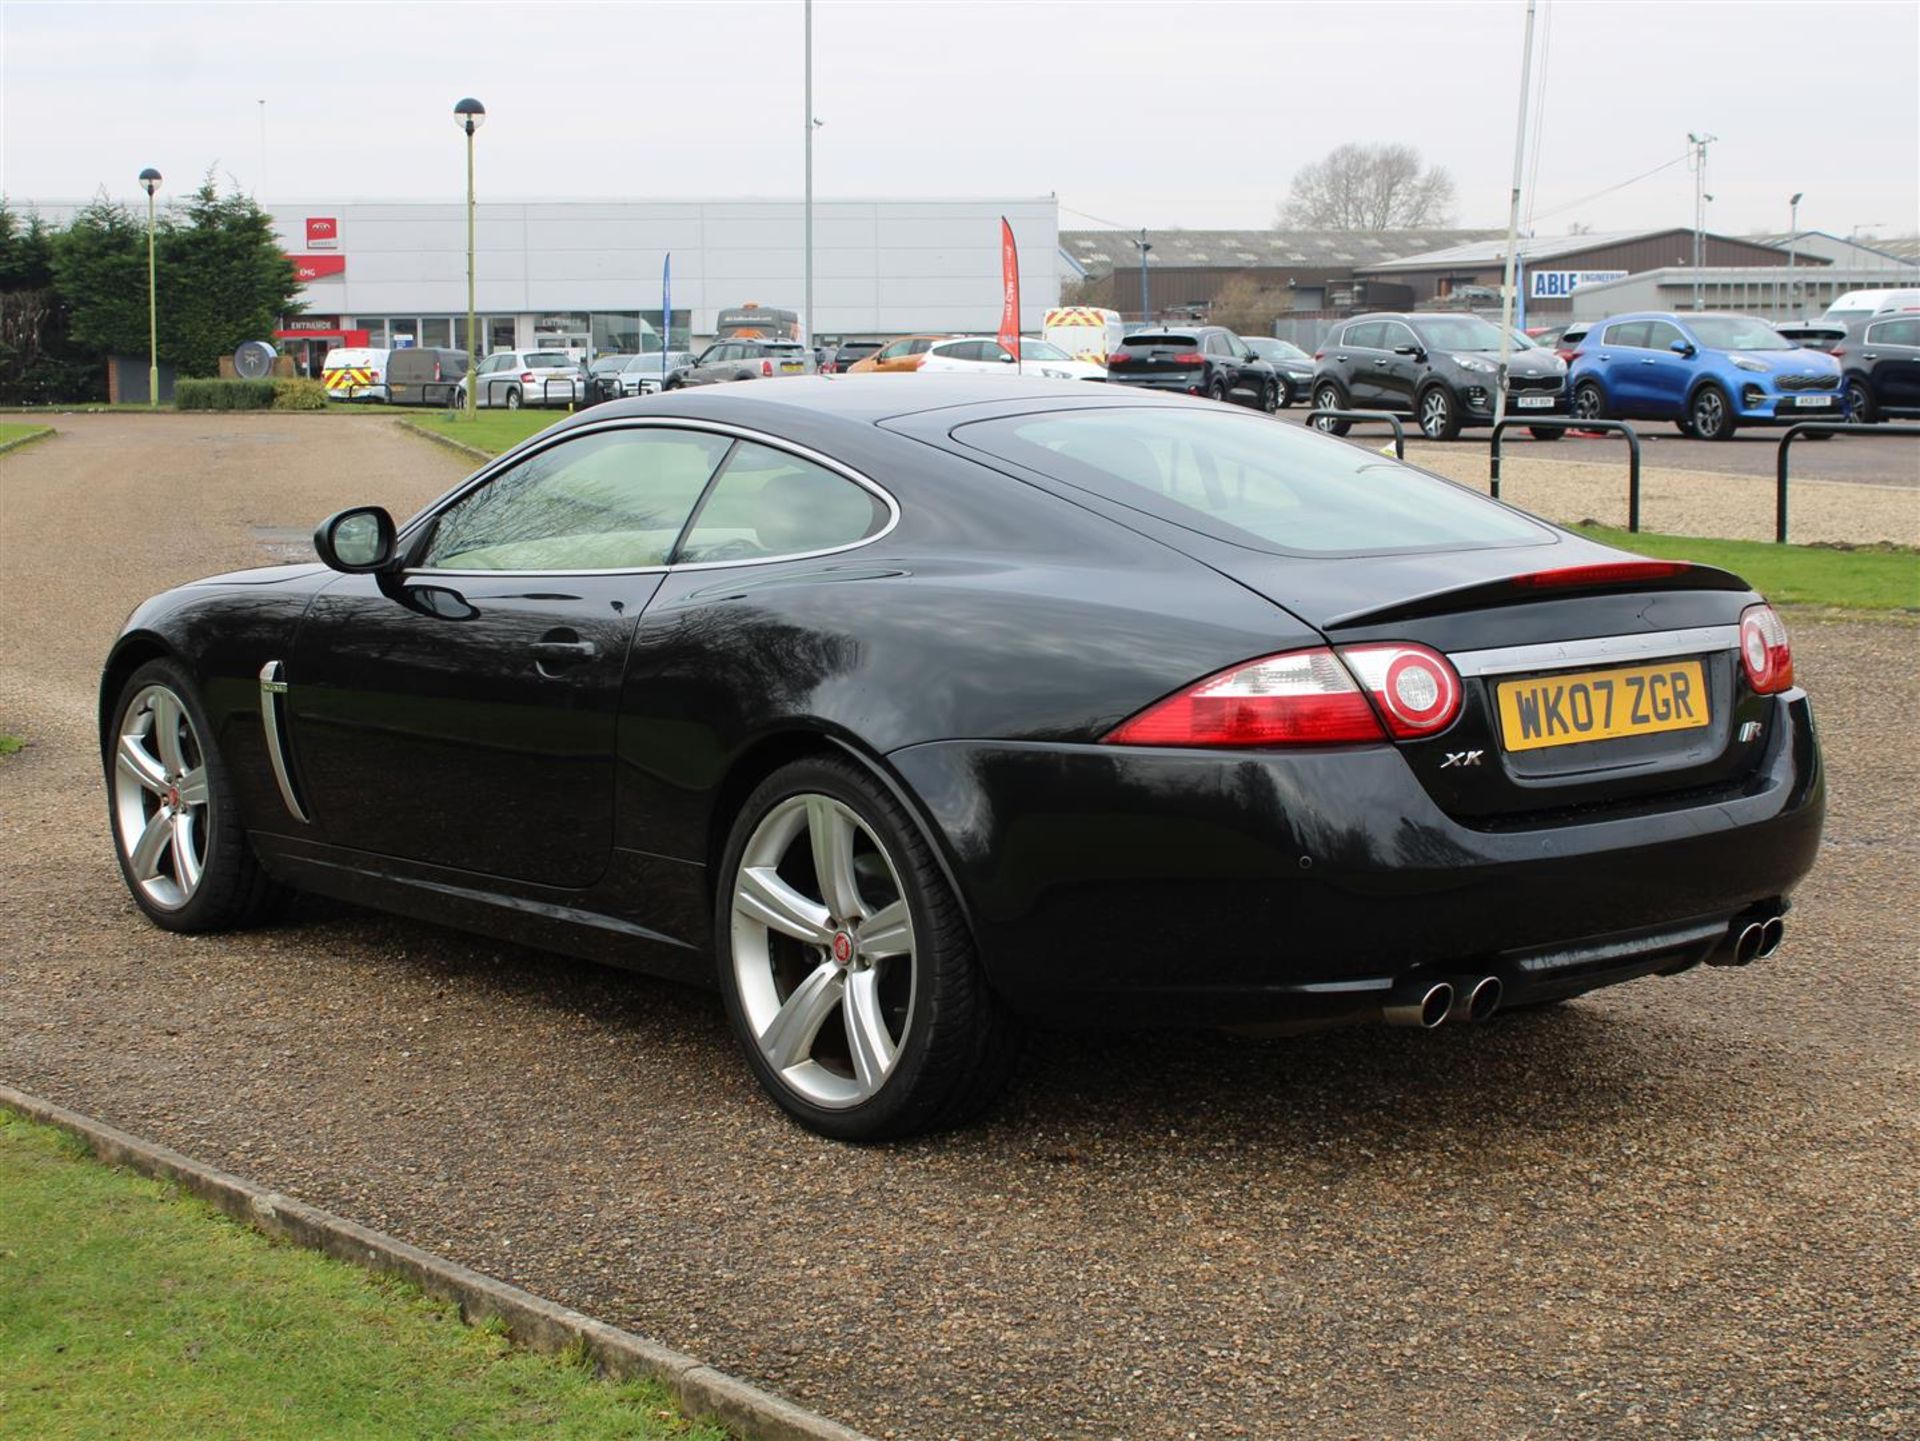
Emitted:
pixel 1598 705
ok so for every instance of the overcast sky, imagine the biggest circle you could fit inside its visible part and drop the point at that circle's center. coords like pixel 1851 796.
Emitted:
pixel 1159 114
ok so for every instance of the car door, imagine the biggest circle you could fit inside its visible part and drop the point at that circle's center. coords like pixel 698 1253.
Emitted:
pixel 1397 376
pixel 1892 355
pixel 1667 377
pixel 1360 357
pixel 462 711
pixel 1249 374
pixel 1623 345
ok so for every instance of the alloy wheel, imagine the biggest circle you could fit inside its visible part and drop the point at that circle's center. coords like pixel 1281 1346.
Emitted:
pixel 1709 414
pixel 1326 398
pixel 1859 403
pixel 1436 411
pixel 160 797
pixel 1586 403
pixel 823 950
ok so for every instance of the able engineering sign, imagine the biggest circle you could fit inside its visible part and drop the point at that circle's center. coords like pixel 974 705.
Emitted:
pixel 1559 284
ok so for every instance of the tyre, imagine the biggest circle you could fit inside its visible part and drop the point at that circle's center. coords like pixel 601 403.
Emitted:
pixel 1684 426
pixel 1270 397
pixel 847 969
pixel 1327 397
pixel 176 827
pixel 1589 402
pixel 1217 389
pixel 1439 414
pixel 1860 403
pixel 1710 413
pixel 513 397
pixel 1542 432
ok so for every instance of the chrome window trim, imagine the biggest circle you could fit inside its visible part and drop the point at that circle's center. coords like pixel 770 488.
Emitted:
pixel 664 422
pixel 1563 654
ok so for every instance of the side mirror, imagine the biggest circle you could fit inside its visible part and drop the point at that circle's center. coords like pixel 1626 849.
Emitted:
pixel 1681 347
pixel 1415 351
pixel 1006 360
pixel 357 541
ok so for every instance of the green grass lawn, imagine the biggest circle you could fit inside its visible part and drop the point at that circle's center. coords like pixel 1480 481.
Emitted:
pixel 1869 578
pixel 129 1310
pixel 490 430
pixel 11 431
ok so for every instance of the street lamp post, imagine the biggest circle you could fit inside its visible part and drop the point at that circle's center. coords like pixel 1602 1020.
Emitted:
pixel 1143 247
pixel 1793 236
pixel 470 115
pixel 150 182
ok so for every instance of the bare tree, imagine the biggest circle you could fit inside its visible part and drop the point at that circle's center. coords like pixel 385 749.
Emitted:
pixel 1368 187
pixel 1243 305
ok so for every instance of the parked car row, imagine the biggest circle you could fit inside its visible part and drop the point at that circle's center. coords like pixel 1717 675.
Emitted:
pixel 1442 369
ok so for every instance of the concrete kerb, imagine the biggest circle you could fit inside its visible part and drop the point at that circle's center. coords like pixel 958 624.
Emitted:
pixel 21 442
pixel 473 451
pixel 532 1321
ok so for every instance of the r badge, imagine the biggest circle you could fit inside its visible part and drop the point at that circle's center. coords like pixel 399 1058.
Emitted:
pixel 1750 731
pixel 1461 758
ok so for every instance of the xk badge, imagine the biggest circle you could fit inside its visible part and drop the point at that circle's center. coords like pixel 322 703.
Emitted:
pixel 1461 758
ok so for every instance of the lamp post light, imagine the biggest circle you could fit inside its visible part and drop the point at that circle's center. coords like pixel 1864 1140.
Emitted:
pixel 150 182
pixel 470 115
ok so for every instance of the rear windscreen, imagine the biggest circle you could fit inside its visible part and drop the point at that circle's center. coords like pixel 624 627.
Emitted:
pixel 1148 341
pixel 548 360
pixel 1251 482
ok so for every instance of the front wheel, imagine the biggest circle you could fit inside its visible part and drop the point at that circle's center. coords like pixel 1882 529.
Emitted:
pixel 1283 395
pixel 1588 402
pixel 1327 397
pixel 1859 403
pixel 183 853
pixel 847 970
pixel 1439 416
pixel 1270 398
pixel 1542 432
pixel 1711 414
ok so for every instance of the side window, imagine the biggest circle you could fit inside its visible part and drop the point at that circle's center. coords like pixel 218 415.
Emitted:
pixel 1661 335
pixel 769 503
pixel 1237 348
pixel 1630 333
pixel 895 350
pixel 1217 344
pixel 993 350
pixel 1894 332
pixel 1393 333
pixel 918 347
pixel 1365 336
pixel 615 500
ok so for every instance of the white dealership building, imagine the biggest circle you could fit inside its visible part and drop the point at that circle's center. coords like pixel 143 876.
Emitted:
pixel 588 273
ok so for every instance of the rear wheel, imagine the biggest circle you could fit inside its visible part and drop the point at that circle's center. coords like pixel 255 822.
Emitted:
pixel 1711 413
pixel 1541 432
pixel 176 826
pixel 1684 426
pixel 1859 403
pixel 1439 416
pixel 1589 403
pixel 513 397
pixel 1327 397
pixel 1217 389
pixel 847 970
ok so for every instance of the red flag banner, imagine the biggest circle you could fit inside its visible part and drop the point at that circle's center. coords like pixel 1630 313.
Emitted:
pixel 1010 289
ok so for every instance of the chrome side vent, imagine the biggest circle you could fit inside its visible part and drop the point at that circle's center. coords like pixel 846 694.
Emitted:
pixel 273 686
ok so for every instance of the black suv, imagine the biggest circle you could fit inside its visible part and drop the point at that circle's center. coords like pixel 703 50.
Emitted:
pixel 1882 366
pixel 1442 369
pixel 1196 360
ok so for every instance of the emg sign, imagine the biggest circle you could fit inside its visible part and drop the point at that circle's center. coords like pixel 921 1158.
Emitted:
pixel 1558 284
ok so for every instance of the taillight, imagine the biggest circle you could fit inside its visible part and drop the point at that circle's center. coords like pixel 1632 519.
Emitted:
pixel 1304 697
pixel 1838 351
pixel 1417 689
pixel 1191 357
pixel 1611 573
pixel 526 375
pixel 436 370
pixel 766 367
pixel 1319 355
pixel 1765 653
pixel 1119 357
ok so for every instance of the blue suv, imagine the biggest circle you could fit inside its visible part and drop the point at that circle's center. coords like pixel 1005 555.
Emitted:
pixel 1708 373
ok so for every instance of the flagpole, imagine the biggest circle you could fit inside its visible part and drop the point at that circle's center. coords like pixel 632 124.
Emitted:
pixel 666 315
pixel 1513 224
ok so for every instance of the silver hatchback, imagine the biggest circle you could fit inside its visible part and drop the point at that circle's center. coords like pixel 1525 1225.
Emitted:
pixel 511 379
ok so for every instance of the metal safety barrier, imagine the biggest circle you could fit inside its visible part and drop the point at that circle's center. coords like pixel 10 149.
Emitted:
pixel 1399 431
pixel 1544 422
pixel 571 389
pixel 1816 427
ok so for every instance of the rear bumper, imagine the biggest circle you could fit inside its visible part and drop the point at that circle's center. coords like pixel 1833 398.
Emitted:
pixel 1113 886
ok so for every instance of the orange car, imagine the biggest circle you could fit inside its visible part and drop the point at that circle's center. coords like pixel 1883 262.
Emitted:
pixel 896 357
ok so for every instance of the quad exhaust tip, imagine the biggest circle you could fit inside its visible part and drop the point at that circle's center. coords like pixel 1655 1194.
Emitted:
pixel 1476 1000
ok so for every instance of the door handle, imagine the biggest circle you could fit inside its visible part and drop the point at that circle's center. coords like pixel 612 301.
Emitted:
pixel 1871 356
pixel 564 650
pixel 1647 360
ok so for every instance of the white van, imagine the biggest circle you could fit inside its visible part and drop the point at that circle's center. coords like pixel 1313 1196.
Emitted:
pixel 1858 305
pixel 1085 332
pixel 355 373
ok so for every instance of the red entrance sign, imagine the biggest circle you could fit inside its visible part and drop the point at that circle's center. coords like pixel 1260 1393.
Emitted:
pixel 323 232
pixel 313 267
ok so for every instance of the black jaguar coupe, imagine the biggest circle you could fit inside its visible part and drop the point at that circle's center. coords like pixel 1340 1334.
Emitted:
pixel 911 714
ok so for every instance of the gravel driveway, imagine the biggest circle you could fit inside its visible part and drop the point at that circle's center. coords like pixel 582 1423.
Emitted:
pixel 1685 1208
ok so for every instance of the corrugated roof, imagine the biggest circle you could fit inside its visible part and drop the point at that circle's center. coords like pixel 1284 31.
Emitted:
pixel 1103 250
pixel 1490 250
